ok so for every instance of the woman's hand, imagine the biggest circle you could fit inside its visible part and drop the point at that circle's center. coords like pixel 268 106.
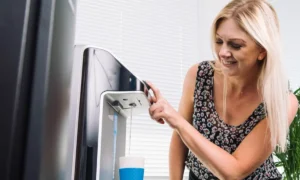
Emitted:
pixel 161 111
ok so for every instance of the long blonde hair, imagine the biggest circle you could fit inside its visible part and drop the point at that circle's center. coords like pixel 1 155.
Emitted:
pixel 259 20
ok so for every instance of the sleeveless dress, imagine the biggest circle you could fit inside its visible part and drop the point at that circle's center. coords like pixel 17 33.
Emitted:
pixel 228 137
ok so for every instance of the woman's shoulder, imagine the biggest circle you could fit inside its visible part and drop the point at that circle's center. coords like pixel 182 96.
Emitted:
pixel 195 69
pixel 206 64
pixel 204 68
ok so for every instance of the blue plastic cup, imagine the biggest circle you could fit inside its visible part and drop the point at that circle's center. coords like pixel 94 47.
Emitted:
pixel 131 168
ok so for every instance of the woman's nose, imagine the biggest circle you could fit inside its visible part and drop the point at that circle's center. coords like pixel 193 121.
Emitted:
pixel 224 52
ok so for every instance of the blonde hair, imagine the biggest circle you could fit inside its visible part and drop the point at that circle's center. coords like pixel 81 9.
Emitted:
pixel 259 20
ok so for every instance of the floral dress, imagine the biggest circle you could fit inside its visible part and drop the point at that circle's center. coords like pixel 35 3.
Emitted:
pixel 228 137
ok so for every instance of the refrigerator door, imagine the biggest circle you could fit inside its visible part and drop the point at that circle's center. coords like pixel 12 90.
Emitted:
pixel 36 48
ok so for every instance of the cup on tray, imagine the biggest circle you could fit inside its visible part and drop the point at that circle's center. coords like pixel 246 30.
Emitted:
pixel 131 168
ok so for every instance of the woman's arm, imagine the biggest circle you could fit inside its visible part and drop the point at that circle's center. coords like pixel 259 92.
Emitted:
pixel 250 154
pixel 178 150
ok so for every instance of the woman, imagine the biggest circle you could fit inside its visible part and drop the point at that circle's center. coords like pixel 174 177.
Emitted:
pixel 236 110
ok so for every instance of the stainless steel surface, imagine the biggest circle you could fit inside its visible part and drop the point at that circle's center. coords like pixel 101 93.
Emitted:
pixel 105 166
pixel 105 73
pixel 47 144
pixel 123 102
pixel 56 132
pixel 105 86
pixel 120 102
pixel 75 95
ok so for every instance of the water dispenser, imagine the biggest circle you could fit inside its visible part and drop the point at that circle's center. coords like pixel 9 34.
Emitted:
pixel 103 93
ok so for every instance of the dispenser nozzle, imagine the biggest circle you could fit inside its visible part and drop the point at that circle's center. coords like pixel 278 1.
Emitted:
pixel 132 104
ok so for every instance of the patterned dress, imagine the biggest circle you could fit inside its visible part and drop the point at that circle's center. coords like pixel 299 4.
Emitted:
pixel 228 137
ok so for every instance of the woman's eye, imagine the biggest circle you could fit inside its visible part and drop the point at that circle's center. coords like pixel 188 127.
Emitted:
pixel 219 42
pixel 235 46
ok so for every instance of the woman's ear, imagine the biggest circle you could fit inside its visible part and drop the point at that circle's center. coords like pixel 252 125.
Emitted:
pixel 262 54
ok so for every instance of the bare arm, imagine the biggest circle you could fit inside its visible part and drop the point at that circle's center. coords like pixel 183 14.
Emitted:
pixel 178 150
pixel 250 154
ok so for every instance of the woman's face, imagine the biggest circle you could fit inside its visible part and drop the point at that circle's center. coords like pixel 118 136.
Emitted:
pixel 238 53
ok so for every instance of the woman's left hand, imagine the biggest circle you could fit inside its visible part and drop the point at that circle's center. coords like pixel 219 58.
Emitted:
pixel 161 111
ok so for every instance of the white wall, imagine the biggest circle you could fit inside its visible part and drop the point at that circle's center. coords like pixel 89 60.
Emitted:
pixel 288 12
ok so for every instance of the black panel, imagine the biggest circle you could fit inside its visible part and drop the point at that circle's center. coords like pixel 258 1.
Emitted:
pixel 17 51
pixel 81 172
